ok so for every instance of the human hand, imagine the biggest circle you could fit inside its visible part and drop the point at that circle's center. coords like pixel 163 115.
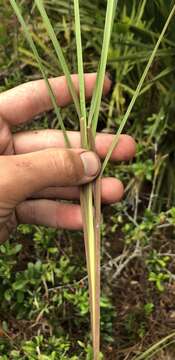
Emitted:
pixel 36 169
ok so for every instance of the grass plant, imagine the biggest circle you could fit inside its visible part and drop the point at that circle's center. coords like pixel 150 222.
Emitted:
pixel 90 194
pixel 157 347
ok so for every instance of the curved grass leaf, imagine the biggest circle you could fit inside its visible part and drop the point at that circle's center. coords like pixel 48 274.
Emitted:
pixel 96 99
pixel 59 52
pixel 80 72
pixel 18 13
pixel 137 91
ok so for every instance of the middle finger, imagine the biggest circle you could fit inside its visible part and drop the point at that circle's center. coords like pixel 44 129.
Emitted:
pixel 111 192
pixel 30 141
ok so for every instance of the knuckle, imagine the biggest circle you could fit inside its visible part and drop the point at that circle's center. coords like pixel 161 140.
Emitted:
pixel 31 212
pixel 5 179
pixel 9 186
pixel 4 136
pixel 68 166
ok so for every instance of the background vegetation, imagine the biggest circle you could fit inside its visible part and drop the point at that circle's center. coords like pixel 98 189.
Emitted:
pixel 43 285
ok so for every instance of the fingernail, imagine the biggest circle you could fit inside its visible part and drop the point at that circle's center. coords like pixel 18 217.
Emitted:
pixel 91 163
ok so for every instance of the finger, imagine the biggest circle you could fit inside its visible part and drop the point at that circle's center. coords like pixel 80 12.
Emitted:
pixel 4 233
pixel 26 142
pixel 26 174
pixel 50 213
pixel 112 192
pixel 30 99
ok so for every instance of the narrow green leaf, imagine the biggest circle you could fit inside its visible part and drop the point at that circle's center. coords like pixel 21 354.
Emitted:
pixel 96 100
pixel 80 72
pixel 39 62
pixel 59 52
pixel 141 11
pixel 137 91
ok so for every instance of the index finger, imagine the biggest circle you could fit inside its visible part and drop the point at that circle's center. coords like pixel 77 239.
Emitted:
pixel 25 101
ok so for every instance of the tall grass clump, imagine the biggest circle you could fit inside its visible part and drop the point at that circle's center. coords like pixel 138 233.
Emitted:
pixel 90 195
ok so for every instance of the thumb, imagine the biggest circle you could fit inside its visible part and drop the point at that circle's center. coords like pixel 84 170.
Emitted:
pixel 23 175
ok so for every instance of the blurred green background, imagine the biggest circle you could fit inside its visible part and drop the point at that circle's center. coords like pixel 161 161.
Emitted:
pixel 44 311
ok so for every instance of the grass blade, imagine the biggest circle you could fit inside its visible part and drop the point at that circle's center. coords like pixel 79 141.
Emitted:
pixel 80 72
pixel 18 13
pixel 137 91
pixel 96 100
pixel 59 52
pixel 80 68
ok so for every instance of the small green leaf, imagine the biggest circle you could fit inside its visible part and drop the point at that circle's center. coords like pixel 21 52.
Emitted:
pixel 19 284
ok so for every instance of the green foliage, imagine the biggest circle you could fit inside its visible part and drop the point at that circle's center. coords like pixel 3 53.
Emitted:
pixel 157 266
pixel 34 293
pixel 37 348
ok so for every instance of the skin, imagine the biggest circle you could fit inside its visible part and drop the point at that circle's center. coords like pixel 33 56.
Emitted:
pixel 36 170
